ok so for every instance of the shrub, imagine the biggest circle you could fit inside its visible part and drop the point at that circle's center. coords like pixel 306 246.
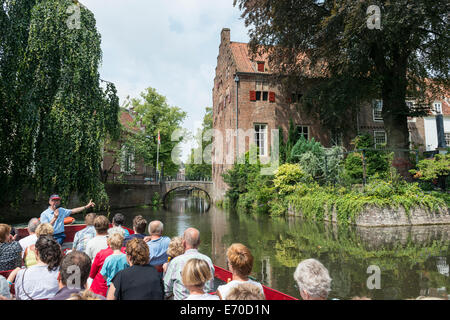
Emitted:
pixel 287 177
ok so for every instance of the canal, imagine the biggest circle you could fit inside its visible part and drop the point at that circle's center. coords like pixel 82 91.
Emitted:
pixel 411 261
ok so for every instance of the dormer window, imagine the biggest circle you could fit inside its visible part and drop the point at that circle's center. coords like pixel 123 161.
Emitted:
pixel 260 66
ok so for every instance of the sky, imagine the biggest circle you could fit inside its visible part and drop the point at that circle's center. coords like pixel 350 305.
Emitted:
pixel 170 45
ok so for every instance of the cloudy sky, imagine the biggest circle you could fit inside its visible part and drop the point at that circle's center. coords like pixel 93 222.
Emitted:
pixel 170 45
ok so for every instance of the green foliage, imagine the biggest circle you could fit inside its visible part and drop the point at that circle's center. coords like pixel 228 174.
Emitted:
pixel 377 162
pixel 239 177
pixel 154 114
pixel 201 168
pixel 156 200
pixel 430 169
pixel 287 177
pixel 55 115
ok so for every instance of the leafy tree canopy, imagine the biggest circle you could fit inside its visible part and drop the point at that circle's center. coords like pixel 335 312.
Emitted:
pixel 194 169
pixel 55 111
pixel 153 114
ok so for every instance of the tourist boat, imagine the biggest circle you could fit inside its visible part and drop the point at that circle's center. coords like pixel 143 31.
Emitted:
pixel 221 275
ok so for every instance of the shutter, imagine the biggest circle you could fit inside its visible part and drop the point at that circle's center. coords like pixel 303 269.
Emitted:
pixel 272 96
pixel 261 66
pixel 252 95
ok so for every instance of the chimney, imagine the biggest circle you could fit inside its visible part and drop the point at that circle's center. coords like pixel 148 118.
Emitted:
pixel 225 36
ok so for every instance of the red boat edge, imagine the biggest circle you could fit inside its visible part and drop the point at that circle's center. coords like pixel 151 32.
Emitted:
pixel 220 273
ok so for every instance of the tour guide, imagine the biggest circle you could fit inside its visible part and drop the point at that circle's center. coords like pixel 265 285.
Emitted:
pixel 55 216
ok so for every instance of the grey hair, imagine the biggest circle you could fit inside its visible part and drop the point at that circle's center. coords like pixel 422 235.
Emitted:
pixel 192 237
pixel 113 230
pixel 156 227
pixel 313 277
pixel 33 224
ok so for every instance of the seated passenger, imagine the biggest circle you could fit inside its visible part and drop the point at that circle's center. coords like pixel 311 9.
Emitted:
pixel 245 291
pixel 98 283
pixel 117 261
pixel 173 283
pixel 5 293
pixel 175 249
pixel 313 280
pixel 29 256
pixel 158 244
pixel 83 236
pixel 39 282
pixel 240 263
pixel 139 226
pixel 196 273
pixel 75 261
pixel 10 250
pixel 101 225
pixel 140 281
pixel 118 221
pixel 32 237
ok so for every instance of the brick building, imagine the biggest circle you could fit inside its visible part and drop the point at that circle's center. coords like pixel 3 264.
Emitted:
pixel 245 99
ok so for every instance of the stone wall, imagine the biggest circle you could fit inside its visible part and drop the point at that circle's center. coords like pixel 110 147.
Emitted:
pixel 387 217
pixel 120 196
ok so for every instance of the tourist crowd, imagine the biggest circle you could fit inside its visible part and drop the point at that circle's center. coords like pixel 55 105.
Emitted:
pixel 107 262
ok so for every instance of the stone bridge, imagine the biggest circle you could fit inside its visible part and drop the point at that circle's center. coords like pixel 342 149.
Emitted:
pixel 169 186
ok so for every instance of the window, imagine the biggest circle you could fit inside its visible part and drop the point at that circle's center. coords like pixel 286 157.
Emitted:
pixel 262 91
pixel 261 138
pixel 295 97
pixel 377 106
pixel 437 107
pixel 127 164
pixel 303 131
pixel 260 66
pixel 447 139
pixel 379 138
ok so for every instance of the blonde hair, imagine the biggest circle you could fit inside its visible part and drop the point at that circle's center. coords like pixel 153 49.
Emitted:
pixel 240 258
pixel 175 247
pixel 115 241
pixel 196 272
pixel 84 295
pixel 245 291
pixel 44 229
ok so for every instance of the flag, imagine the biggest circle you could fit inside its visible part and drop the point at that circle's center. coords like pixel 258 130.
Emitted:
pixel 159 138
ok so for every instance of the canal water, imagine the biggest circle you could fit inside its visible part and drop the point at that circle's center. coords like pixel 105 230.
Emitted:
pixel 379 263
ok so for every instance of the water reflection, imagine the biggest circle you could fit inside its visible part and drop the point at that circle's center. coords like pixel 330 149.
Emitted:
pixel 413 260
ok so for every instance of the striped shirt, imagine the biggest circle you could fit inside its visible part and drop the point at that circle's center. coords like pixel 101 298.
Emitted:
pixel 173 282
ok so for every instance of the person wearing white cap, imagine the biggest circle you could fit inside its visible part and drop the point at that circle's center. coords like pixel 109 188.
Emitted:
pixel 55 216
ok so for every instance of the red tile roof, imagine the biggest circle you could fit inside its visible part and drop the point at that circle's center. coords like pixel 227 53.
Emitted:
pixel 127 121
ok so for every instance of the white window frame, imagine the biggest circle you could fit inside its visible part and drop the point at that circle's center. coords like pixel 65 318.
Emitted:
pixel 447 138
pixel 375 137
pixel 303 126
pixel 437 107
pixel 257 127
pixel 377 118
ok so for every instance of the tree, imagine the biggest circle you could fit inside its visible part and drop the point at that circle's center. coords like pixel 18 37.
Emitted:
pixel 332 46
pixel 203 170
pixel 54 111
pixel 153 114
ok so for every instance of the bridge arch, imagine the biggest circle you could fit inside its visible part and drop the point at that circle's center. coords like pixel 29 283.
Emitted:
pixel 171 186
